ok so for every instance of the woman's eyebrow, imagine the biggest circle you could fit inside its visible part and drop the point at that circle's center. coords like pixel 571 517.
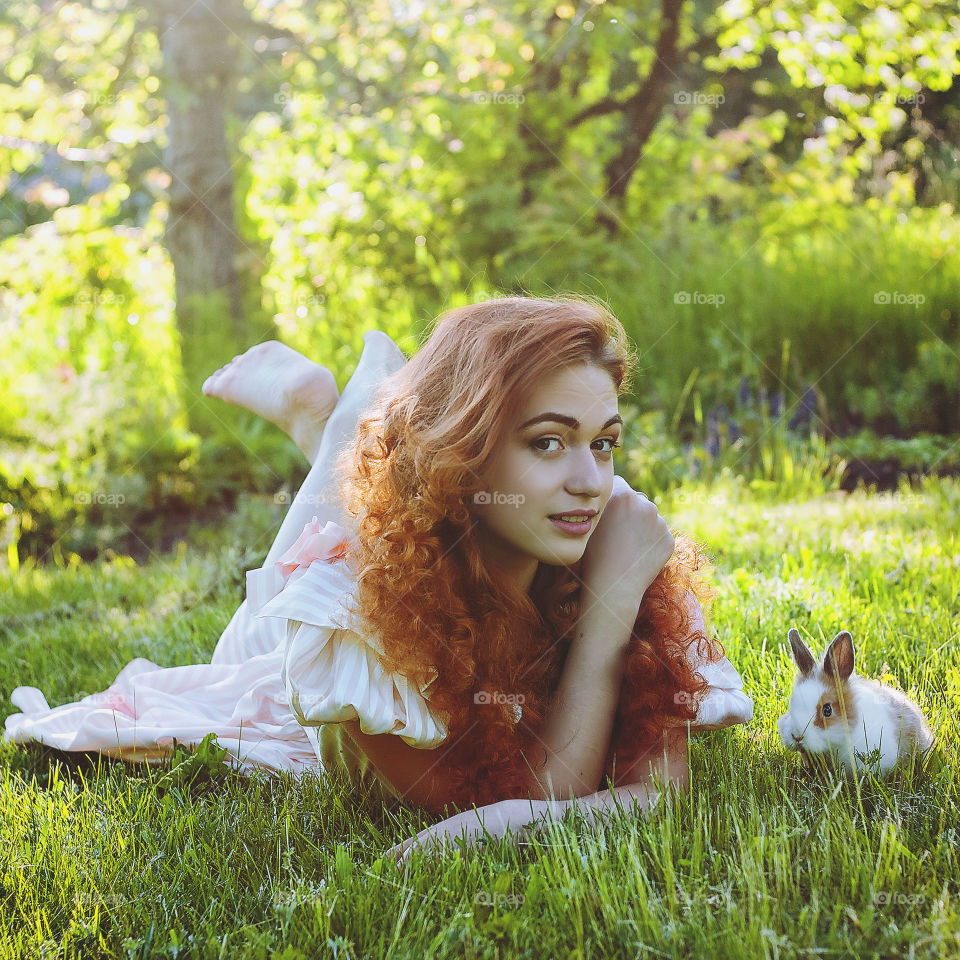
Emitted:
pixel 571 422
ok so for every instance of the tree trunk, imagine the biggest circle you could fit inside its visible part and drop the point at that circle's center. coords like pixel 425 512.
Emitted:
pixel 201 235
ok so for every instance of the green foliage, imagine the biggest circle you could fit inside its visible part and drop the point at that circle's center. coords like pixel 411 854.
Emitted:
pixel 930 396
pixel 90 445
pixel 393 162
pixel 92 450
pixel 845 305
pixel 195 768
pixel 924 398
pixel 766 457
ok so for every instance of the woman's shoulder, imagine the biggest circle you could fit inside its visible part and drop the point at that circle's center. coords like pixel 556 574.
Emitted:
pixel 333 669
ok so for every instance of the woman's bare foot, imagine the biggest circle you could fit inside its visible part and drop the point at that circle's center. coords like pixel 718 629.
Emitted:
pixel 282 386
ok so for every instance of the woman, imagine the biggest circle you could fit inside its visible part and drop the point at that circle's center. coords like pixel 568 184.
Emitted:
pixel 425 608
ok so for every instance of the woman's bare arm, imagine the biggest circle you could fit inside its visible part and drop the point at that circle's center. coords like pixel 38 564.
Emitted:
pixel 625 554
pixel 579 725
pixel 667 762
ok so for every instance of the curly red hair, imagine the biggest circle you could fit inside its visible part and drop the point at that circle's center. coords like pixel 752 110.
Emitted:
pixel 423 586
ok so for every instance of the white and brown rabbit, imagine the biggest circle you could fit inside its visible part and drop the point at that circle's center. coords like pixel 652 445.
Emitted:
pixel 835 711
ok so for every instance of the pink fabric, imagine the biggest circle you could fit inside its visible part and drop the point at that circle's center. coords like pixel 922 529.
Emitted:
pixel 329 543
pixel 239 695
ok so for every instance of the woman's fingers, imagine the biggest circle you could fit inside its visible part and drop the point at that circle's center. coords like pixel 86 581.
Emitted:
pixel 621 486
pixel 402 852
pixel 433 840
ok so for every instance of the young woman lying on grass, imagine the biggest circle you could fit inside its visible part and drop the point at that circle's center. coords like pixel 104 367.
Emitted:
pixel 425 612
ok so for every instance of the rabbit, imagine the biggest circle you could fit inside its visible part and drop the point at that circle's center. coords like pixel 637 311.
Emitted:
pixel 833 710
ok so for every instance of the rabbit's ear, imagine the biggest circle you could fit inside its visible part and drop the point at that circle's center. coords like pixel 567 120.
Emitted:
pixel 801 653
pixel 838 660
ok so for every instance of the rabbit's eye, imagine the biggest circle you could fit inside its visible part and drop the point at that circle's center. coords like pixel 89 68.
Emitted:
pixel 827 710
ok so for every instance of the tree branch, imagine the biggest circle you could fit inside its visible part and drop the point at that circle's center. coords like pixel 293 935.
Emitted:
pixel 643 109
pixel 598 109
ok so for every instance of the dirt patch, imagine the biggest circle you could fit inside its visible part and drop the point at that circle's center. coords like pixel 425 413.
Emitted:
pixel 885 474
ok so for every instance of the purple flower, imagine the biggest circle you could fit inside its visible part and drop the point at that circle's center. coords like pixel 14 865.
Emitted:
pixel 712 443
pixel 808 405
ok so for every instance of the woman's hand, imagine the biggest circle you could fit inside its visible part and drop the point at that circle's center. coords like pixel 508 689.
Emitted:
pixel 629 547
pixel 441 837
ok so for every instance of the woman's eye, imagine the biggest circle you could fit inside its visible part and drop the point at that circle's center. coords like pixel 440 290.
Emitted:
pixel 544 440
pixel 613 443
pixel 827 710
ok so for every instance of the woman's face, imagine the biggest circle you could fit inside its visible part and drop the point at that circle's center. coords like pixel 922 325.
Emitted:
pixel 556 458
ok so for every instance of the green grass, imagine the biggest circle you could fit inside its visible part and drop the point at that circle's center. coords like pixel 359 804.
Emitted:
pixel 759 859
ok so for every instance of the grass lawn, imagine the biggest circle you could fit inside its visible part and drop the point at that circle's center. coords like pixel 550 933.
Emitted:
pixel 759 859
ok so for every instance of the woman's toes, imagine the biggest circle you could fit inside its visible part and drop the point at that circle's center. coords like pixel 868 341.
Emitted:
pixel 212 384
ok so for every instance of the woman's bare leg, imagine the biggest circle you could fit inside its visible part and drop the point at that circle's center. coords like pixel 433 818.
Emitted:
pixel 282 386
pixel 274 382
pixel 317 496
pixel 245 635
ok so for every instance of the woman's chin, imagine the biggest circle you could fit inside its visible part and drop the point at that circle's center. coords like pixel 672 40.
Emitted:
pixel 553 557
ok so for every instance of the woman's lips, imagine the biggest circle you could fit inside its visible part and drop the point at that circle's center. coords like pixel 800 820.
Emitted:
pixel 575 528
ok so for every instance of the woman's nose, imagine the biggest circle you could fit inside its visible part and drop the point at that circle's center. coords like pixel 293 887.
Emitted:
pixel 586 475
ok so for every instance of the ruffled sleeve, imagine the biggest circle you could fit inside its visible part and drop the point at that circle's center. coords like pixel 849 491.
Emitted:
pixel 330 669
pixel 724 703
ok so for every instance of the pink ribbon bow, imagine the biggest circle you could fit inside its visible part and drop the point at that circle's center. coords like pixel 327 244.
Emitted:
pixel 329 543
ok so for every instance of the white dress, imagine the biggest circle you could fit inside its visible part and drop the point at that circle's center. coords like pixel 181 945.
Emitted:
pixel 290 666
